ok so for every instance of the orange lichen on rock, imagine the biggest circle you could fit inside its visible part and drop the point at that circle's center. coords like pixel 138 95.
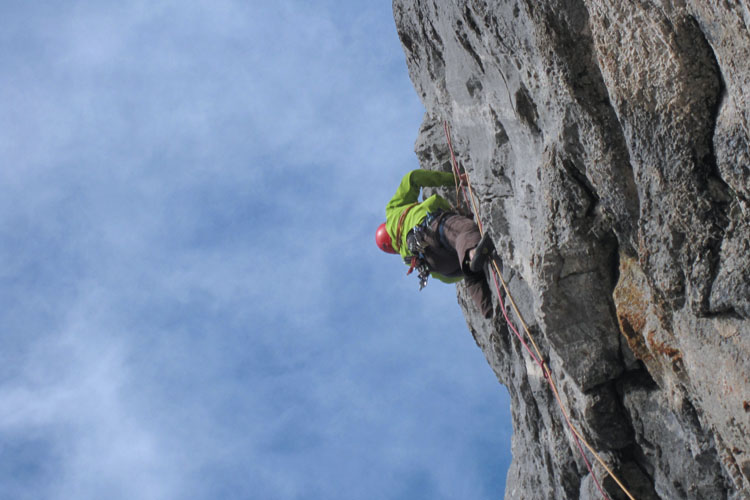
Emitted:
pixel 631 304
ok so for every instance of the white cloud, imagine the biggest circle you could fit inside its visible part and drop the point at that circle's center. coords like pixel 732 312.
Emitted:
pixel 187 225
pixel 72 388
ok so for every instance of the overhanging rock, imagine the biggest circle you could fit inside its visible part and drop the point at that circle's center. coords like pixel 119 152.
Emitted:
pixel 608 145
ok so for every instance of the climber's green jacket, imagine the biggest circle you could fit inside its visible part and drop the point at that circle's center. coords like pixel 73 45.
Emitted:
pixel 407 199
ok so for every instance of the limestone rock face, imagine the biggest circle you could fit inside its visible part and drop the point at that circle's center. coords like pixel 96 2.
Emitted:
pixel 608 146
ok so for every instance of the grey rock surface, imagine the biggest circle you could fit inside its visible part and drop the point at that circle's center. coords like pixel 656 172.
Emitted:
pixel 608 145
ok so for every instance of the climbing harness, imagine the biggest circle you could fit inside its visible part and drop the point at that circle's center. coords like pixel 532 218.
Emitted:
pixel 416 242
pixel 537 357
pixel 441 232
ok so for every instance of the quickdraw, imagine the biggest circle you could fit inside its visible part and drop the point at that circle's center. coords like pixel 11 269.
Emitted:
pixel 423 270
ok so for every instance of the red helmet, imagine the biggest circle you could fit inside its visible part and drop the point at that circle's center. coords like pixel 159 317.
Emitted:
pixel 383 239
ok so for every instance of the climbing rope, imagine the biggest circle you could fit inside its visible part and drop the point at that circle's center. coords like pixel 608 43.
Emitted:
pixel 456 174
pixel 537 357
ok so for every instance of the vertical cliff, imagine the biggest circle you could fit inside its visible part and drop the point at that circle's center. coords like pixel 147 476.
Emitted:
pixel 608 145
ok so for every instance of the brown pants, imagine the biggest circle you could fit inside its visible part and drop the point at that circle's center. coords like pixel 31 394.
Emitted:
pixel 449 256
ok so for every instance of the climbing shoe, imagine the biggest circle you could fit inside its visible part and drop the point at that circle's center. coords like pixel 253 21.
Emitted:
pixel 484 249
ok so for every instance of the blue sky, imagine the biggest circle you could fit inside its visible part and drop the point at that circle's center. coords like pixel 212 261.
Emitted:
pixel 193 305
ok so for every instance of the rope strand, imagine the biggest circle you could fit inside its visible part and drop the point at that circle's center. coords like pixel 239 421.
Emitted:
pixel 456 173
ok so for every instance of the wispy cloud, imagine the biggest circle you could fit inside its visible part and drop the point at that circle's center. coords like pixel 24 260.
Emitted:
pixel 194 307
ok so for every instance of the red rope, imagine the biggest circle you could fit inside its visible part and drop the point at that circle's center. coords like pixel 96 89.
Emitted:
pixel 456 173
pixel 546 373
pixel 514 329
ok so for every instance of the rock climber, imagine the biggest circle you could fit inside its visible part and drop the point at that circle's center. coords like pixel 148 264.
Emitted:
pixel 434 239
